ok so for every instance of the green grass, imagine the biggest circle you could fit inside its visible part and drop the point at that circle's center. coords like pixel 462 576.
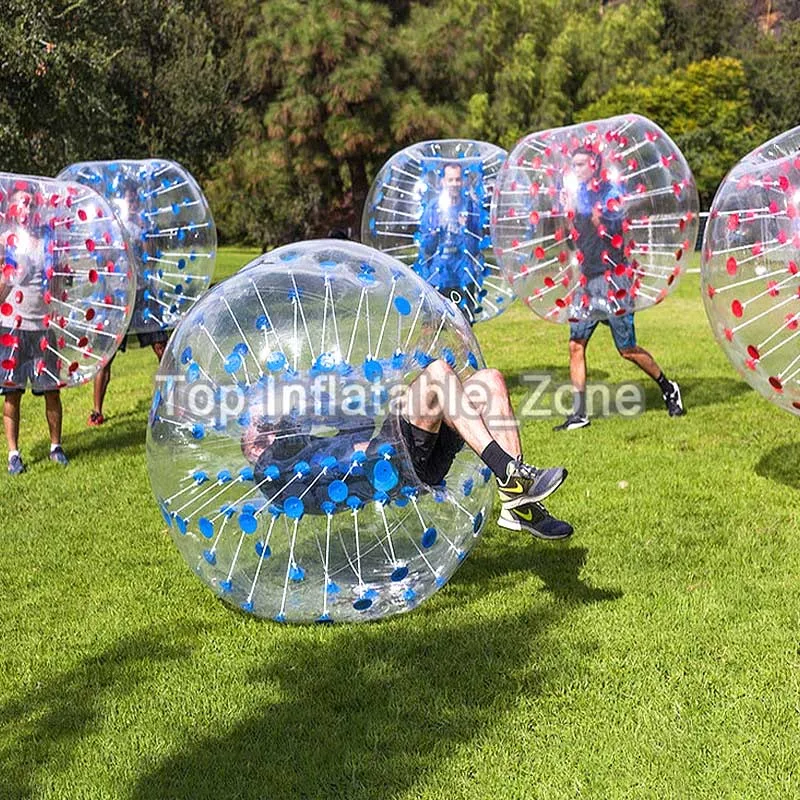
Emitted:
pixel 232 259
pixel 654 655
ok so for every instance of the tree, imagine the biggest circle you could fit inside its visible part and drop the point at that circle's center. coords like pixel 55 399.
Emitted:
pixel 316 75
pixel 773 74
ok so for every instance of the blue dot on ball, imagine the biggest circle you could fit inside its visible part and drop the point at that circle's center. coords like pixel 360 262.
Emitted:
pixel 384 476
pixel 428 537
pixel 296 573
pixel 210 557
pixel 233 363
pixel 373 371
pixel 248 523
pixel 276 361
pixel 399 573
pixel 337 491
pixel 263 550
pixel 293 507
pixel 477 522
pixel 402 306
pixel 206 527
pixel 362 604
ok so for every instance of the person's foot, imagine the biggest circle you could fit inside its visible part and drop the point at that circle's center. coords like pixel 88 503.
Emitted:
pixel 58 455
pixel 573 422
pixel 535 519
pixel 95 418
pixel 673 400
pixel 15 465
pixel 526 484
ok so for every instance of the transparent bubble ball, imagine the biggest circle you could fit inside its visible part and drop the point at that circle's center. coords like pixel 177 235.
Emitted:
pixel 67 286
pixel 594 220
pixel 172 232
pixel 751 269
pixel 429 208
pixel 274 447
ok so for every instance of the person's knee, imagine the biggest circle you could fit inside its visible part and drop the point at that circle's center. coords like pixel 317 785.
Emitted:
pixel 11 400
pixel 492 380
pixel 439 371
pixel 577 347
pixel 629 353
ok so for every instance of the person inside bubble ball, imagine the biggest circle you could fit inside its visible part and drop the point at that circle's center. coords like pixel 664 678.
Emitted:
pixel 29 352
pixel 449 246
pixel 129 209
pixel 595 207
pixel 431 421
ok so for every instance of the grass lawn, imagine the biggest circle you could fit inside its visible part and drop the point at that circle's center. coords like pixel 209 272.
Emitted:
pixel 654 655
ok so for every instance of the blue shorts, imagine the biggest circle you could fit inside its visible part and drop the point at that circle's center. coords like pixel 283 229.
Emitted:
pixel 622 330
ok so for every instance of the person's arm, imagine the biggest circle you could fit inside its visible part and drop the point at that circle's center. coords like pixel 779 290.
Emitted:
pixel 429 232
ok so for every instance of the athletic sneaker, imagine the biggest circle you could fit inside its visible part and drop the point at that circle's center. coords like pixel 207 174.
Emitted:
pixel 59 456
pixel 526 484
pixel 535 519
pixel 15 465
pixel 95 419
pixel 573 422
pixel 673 400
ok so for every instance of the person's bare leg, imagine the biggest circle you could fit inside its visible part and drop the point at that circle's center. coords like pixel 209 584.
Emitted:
pixel 488 393
pixel 54 413
pixel 577 364
pixel 438 396
pixel 158 349
pixel 643 360
pixel 101 381
pixel 11 404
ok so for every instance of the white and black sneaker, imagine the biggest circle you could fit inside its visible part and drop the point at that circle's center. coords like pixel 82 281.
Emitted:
pixel 527 484
pixel 535 519
pixel 573 422
pixel 673 400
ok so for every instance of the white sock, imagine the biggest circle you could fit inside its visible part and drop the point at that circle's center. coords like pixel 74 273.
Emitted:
pixel 54 447
pixel 12 453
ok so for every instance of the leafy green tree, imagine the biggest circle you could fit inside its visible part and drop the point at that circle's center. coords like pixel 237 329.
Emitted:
pixel 706 107
pixel 54 98
pixel 773 75
pixel 315 74
pixel 695 30
pixel 560 55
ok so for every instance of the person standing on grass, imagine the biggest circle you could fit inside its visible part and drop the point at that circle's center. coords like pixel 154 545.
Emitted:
pixel 158 339
pixel 31 355
pixel 597 216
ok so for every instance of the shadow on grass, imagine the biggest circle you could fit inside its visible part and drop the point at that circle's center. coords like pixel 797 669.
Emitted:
pixel 41 729
pixel 370 711
pixel 120 432
pixel 558 374
pixel 782 464
pixel 696 392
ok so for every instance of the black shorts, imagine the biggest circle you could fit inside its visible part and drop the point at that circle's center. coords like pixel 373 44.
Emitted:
pixel 149 338
pixel 432 454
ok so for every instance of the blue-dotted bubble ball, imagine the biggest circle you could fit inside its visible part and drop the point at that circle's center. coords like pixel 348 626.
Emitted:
pixel 172 233
pixel 429 207
pixel 277 444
